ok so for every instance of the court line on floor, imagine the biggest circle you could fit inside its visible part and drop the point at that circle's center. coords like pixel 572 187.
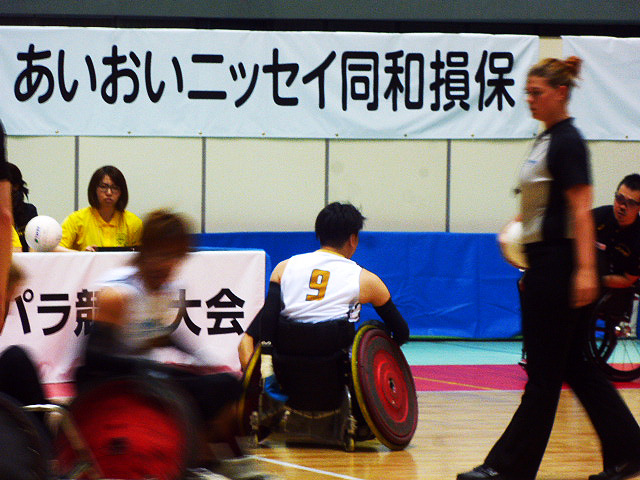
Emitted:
pixel 308 469
pixel 457 384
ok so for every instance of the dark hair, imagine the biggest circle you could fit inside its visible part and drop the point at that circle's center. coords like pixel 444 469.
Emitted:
pixel 631 181
pixel 15 177
pixel 118 179
pixel 337 222
pixel 558 72
pixel 163 228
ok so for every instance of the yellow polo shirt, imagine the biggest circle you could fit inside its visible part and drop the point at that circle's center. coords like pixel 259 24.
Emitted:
pixel 15 240
pixel 86 227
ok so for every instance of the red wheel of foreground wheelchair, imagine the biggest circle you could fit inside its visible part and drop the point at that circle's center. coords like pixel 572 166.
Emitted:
pixel 384 387
pixel 132 428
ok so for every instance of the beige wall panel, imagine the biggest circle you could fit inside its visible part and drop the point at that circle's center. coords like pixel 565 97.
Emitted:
pixel 160 172
pixel 550 47
pixel 610 162
pixel 48 166
pixel 483 176
pixel 264 184
pixel 400 185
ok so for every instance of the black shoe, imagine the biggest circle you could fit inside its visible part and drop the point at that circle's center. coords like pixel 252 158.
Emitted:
pixel 481 472
pixel 619 472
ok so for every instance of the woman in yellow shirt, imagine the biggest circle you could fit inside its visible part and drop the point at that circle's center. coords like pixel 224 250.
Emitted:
pixel 15 240
pixel 105 223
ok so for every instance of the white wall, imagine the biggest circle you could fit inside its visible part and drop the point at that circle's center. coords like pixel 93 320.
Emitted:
pixel 399 185
pixel 48 167
pixel 263 184
pixel 280 185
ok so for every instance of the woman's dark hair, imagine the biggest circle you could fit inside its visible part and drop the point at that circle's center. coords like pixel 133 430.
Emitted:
pixel 118 180
pixel 15 177
pixel 337 222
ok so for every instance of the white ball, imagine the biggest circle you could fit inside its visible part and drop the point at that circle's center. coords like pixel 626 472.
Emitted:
pixel 43 233
pixel 510 240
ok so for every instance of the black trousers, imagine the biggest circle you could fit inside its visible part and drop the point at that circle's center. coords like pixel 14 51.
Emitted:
pixel 555 338
pixel 19 378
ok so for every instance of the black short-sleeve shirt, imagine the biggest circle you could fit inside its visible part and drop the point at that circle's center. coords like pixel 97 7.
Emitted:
pixel 618 247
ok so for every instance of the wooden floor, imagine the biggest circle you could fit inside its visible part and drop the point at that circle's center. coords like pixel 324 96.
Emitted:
pixel 455 432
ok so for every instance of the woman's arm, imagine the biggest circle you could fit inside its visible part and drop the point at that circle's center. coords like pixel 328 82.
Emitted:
pixel 622 280
pixel 585 277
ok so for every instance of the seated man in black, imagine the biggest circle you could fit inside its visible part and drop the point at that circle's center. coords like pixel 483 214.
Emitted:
pixel 319 294
pixel 618 243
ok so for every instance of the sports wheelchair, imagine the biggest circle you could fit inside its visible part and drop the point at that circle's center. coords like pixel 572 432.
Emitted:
pixel 612 334
pixel 336 387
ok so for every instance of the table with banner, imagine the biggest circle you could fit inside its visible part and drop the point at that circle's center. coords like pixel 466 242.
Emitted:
pixel 219 294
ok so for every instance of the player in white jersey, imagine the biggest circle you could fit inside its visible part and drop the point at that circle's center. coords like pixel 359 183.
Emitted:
pixel 325 285
pixel 335 279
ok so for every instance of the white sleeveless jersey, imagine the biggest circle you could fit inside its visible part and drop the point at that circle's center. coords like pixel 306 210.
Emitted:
pixel 321 286
pixel 149 315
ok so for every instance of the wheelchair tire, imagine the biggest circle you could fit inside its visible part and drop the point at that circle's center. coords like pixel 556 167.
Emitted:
pixel 613 344
pixel 132 428
pixel 384 387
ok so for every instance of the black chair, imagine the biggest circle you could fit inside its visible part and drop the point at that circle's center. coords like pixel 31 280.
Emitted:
pixel 311 365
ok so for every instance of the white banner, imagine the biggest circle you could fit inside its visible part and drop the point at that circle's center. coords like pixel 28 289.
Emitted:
pixel 51 314
pixel 226 83
pixel 607 103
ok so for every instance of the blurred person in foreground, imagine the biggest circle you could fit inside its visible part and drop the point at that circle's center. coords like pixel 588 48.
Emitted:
pixel 6 221
pixel 134 316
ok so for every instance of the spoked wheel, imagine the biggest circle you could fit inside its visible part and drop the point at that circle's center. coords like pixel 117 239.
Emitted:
pixel 614 344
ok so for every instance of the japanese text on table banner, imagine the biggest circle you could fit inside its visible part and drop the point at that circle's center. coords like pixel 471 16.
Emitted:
pixel 227 83
pixel 219 294
pixel 606 103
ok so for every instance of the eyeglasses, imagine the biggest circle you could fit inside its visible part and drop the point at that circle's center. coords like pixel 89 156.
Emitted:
pixel 622 200
pixel 105 186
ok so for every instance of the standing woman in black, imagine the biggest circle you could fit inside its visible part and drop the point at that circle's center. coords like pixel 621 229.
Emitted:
pixel 557 291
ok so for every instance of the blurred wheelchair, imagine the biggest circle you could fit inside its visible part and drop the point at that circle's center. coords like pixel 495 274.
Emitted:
pixel 125 428
pixel 612 334
pixel 26 445
pixel 339 388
